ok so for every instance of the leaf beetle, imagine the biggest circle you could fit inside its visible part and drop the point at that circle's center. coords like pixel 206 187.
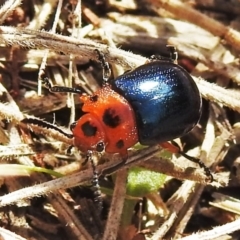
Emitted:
pixel 151 104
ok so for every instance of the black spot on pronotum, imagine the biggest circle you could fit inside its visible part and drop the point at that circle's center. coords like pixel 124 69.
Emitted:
pixel 88 129
pixel 120 144
pixel 110 118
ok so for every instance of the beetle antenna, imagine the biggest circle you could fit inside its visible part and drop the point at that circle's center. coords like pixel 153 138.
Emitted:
pixel 105 66
pixel 56 88
pixel 95 182
pixel 45 124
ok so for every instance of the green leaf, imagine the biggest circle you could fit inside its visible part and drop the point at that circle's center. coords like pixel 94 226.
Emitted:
pixel 23 170
pixel 142 181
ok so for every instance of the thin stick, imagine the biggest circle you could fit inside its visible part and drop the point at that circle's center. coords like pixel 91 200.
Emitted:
pixel 115 212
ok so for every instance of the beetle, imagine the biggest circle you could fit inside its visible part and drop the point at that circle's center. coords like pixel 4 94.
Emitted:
pixel 154 103
pixel 151 104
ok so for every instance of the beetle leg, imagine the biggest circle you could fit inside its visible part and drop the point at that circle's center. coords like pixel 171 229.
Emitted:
pixel 173 55
pixel 174 148
pixel 201 165
pixel 105 66
pixel 56 88
pixel 170 147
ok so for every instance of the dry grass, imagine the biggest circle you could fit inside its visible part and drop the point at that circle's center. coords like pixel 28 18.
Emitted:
pixel 40 206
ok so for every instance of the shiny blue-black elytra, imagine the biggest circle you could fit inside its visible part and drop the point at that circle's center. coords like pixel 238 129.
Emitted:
pixel 165 99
